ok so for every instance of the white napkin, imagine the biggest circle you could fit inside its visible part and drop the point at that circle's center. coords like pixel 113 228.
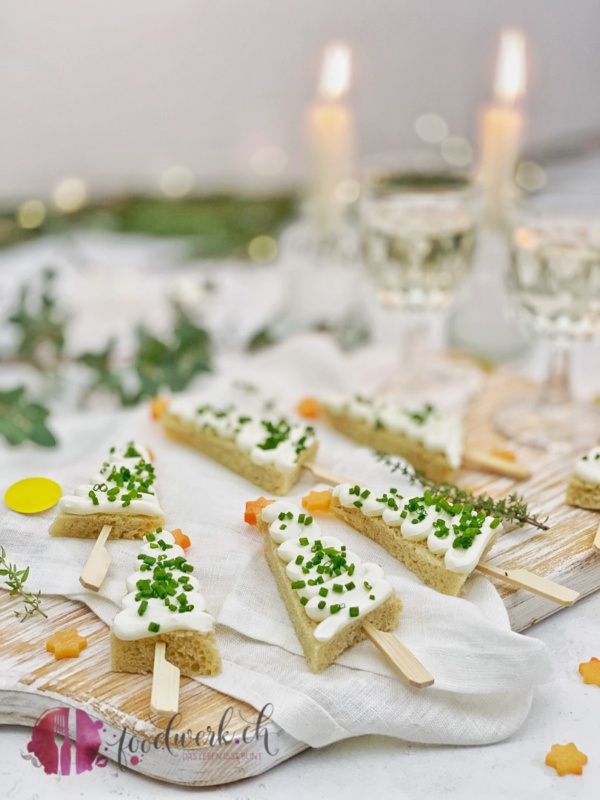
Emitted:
pixel 485 674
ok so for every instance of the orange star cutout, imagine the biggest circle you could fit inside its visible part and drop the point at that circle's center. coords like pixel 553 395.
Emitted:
pixel 590 671
pixel 317 501
pixel 566 759
pixel 66 644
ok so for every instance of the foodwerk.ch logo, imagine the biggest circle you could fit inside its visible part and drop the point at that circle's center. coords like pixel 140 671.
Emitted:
pixel 65 741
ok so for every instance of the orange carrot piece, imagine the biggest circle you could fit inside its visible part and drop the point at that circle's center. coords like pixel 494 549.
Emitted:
pixel 308 408
pixel 253 509
pixel 181 538
pixel 158 406
pixel 507 455
pixel 66 644
pixel 317 501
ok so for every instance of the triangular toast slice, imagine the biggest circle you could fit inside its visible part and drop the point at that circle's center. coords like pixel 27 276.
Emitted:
pixel 328 592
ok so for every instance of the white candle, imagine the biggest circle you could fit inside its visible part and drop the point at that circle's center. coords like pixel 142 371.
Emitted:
pixel 501 127
pixel 331 141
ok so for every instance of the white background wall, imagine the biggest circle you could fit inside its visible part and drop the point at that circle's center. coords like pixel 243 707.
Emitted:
pixel 116 90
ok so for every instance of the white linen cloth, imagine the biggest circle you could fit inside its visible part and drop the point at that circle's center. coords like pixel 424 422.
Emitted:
pixel 485 674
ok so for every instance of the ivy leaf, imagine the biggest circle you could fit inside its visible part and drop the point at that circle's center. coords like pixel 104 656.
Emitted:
pixel 41 324
pixel 173 363
pixel 21 420
pixel 157 364
pixel 106 379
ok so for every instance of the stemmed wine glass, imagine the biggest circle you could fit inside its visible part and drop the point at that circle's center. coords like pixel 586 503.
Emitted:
pixel 418 234
pixel 554 283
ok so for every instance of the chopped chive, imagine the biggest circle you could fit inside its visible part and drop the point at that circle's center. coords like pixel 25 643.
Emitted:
pixel 354 611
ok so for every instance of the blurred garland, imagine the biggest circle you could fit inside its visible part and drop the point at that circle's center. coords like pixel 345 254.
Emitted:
pixel 156 364
pixel 42 326
pixel 218 226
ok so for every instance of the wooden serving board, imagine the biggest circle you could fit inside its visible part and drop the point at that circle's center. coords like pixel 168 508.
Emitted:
pixel 564 553
pixel 32 682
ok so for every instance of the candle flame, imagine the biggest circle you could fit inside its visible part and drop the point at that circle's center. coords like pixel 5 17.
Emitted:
pixel 334 80
pixel 510 69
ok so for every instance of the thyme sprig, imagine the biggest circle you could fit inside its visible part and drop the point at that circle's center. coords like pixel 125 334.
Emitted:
pixel 512 509
pixel 15 580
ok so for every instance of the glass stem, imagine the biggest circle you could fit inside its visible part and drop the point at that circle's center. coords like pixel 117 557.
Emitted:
pixel 416 343
pixel 556 390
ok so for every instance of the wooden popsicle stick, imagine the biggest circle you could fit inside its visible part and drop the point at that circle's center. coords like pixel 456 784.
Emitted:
pixel 487 462
pixel 93 574
pixel 523 579
pixel 399 656
pixel 597 540
pixel 326 475
pixel 520 578
pixel 165 683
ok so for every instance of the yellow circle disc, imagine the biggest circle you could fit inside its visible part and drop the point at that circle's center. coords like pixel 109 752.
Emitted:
pixel 32 495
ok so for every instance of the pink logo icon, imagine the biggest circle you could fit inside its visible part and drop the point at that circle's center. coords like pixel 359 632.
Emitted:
pixel 65 740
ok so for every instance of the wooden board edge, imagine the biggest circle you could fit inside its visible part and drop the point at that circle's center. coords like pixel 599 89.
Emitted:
pixel 22 706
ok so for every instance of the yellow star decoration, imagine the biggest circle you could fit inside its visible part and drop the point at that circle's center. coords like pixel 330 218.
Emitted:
pixel 590 671
pixel 66 644
pixel 566 759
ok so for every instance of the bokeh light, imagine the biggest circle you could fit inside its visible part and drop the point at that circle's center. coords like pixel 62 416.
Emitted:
pixel 530 176
pixel 31 214
pixel 347 191
pixel 457 151
pixel 431 128
pixel 176 181
pixel 262 249
pixel 269 160
pixel 70 194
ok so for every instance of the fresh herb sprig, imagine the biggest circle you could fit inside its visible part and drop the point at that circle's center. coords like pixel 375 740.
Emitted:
pixel 512 509
pixel 15 580
pixel 23 420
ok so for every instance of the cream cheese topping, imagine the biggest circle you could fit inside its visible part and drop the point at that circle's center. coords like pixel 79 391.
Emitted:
pixel 123 485
pixel 426 424
pixel 162 594
pixel 458 533
pixel 588 466
pixel 269 440
pixel 333 585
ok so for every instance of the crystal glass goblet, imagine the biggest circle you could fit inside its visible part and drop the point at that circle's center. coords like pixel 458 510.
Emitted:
pixel 418 233
pixel 554 283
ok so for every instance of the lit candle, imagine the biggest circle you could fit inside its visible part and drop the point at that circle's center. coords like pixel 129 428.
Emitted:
pixel 331 140
pixel 501 127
